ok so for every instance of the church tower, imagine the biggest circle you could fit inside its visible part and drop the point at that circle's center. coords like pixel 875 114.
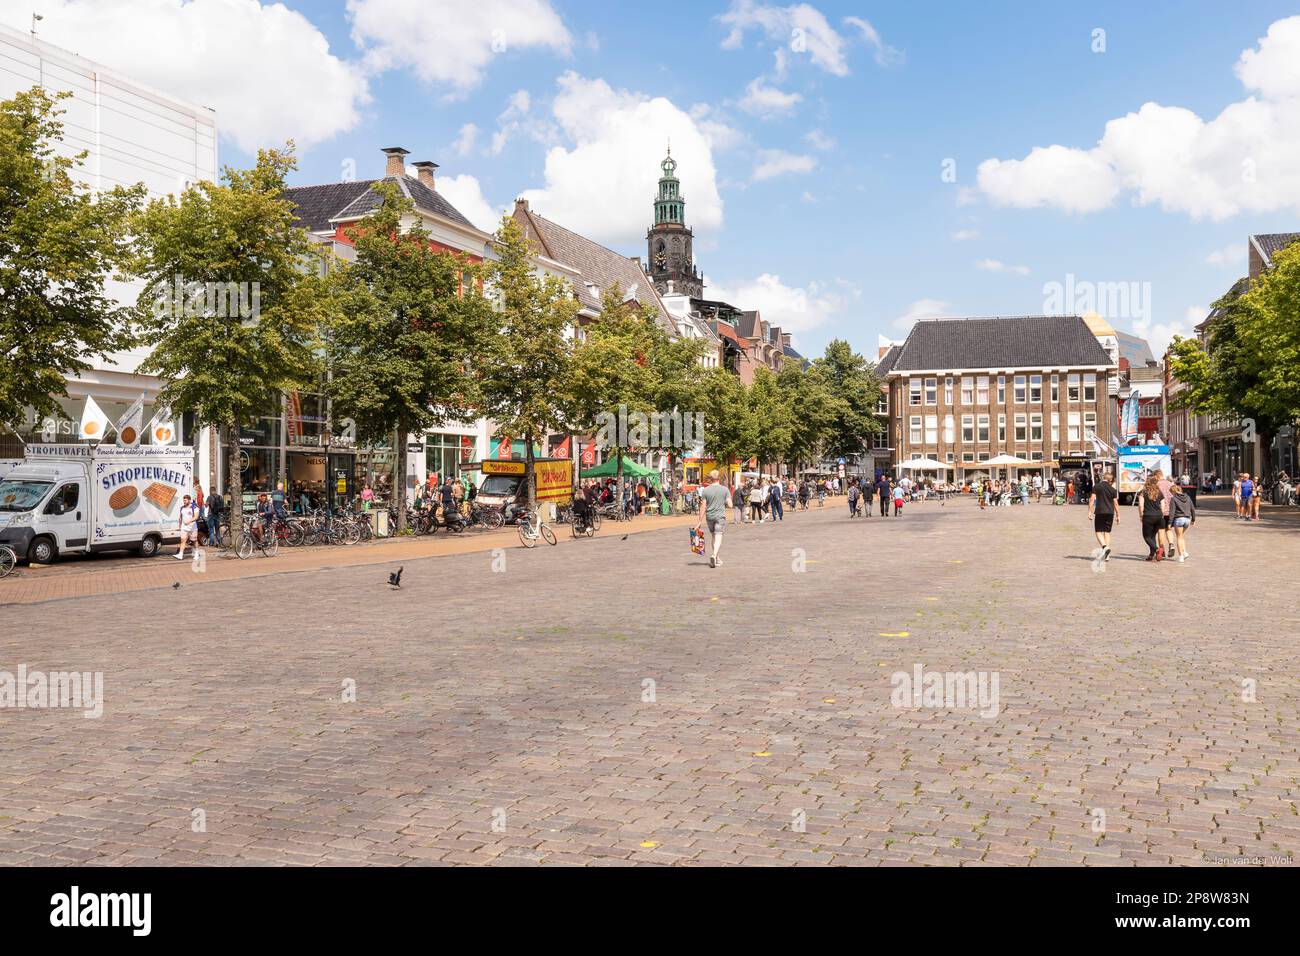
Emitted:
pixel 669 241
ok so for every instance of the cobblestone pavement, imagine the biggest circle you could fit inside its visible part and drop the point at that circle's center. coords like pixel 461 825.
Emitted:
pixel 508 716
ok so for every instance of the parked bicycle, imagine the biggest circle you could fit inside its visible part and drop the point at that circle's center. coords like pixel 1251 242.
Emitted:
pixel 254 537
pixel 8 561
pixel 532 528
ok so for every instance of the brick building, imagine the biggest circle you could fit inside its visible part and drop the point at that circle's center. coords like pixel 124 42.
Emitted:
pixel 962 391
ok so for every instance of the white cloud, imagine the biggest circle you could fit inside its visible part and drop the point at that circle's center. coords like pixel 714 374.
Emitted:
pixel 967 195
pixel 717 129
pixel 808 197
pixel 819 140
pixel 793 308
pixel 885 54
pixel 1233 254
pixel 804 28
pixel 994 265
pixel 601 182
pixel 515 118
pixel 265 69
pixel 465 141
pixel 1246 159
pixel 450 43
pixel 922 309
pixel 965 235
pixel 777 162
pixel 767 102
pixel 466 194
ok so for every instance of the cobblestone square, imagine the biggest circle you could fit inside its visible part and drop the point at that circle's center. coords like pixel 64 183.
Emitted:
pixel 616 701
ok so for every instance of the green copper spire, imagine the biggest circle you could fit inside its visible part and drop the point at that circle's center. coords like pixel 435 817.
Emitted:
pixel 670 207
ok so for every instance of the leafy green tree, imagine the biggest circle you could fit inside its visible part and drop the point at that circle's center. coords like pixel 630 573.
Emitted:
pixel 814 408
pixel 1225 375
pixel 409 325
pixel 612 372
pixel 729 423
pixel 772 417
pixel 1269 327
pixel 852 380
pixel 229 353
pixel 58 245
pixel 677 388
pixel 524 381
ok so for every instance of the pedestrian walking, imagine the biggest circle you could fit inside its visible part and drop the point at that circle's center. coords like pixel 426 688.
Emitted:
pixel 713 514
pixel 898 499
pixel 774 496
pixel 738 503
pixel 1182 515
pixel 1236 495
pixel 882 492
pixel 1102 511
pixel 853 499
pixel 216 512
pixel 189 526
pixel 1151 506
pixel 756 503
pixel 1254 497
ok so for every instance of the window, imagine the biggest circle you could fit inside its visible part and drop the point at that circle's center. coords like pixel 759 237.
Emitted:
pixel 932 429
pixel 983 430
pixel 1072 433
pixel 915 430
pixel 949 457
pixel 64 500
pixel 947 390
pixel 880 440
pixel 1002 428
pixel 1072 387
pixel 931 391
pixel 1035 389
pixel 1090 422
pixel 1002 389
pixel 1056 429
pixel 1035 456
pixel 949 429
pixel 982 390
pixel 1056 388
pixel 1020 390
pixel 882 404
pixel 914 387
pixel 984 456
pixel 968 456
pixel 968 428
pixel 968 389
pixel 1036 426
pixel 1022 427
pixel 1090 387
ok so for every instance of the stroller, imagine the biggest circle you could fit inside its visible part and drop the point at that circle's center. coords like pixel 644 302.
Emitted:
pixel 585 519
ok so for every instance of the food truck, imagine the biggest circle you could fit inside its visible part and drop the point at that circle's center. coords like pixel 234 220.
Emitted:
pixel 503 480
pixel 67 499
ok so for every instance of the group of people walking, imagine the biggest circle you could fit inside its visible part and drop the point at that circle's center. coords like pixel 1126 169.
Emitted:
pixel 1165 509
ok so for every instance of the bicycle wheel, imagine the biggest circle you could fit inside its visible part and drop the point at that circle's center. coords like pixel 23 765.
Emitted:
pixel 295 535
pixel 595 521
pixel 270 544
pixel 548 534
pixel 7 561
pixel 492 519
pixel 244 546
pixel 526 537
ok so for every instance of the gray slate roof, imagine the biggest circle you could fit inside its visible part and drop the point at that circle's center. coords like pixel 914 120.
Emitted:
pixel 1270 244
pixel 598 265
pixel 1034 341
pixel 886 363
pixel 319 205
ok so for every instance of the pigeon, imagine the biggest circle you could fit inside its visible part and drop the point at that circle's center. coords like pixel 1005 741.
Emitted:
pixel 624 538
pixel 176 585
pixel 395 579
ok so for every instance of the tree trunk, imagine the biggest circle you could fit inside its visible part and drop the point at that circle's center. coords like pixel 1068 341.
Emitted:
pixel 530 480
pixel 399 479
pixel 234 486
pixel 618 471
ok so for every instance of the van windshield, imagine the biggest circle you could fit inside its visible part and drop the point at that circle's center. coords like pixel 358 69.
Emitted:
pixel 22 494
pixel 500 486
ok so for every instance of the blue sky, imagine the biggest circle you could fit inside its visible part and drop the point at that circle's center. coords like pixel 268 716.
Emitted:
pixel 859 105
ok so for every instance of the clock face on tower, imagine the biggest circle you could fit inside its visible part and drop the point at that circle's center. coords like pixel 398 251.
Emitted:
pixel 661 260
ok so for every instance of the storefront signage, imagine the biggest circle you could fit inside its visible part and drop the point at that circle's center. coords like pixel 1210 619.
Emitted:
pixel 554 480
pixel 495 467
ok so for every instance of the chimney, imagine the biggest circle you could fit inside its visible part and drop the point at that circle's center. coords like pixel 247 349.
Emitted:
pixel 396 164
pixel 424 170
pixel 785 339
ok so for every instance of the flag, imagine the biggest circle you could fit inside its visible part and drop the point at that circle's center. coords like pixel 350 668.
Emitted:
pixel 94 423
pixel 162 429
pixel 128 426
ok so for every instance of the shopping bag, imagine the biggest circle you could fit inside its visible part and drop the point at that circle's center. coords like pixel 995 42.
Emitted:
pixel 697 540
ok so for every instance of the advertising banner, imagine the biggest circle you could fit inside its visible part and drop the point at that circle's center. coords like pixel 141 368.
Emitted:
pixel 554 480
pixel 1138 461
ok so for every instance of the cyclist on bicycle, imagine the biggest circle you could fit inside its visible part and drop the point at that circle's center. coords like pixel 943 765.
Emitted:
pixel 266 512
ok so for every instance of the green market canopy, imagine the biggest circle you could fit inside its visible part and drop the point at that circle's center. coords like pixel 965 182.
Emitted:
pixel 630 470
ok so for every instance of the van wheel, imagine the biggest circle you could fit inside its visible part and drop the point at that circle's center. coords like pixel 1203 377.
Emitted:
pixel 149 547
pixel 42 551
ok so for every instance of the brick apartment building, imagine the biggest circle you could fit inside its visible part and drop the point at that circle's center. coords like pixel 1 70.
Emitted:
pixel 962 391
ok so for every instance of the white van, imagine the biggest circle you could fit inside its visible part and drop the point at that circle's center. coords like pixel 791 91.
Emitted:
pixel 65 499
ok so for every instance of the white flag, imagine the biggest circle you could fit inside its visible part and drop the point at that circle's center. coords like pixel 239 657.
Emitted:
pixel 94 423
pixel 128 426
pixel 162 430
